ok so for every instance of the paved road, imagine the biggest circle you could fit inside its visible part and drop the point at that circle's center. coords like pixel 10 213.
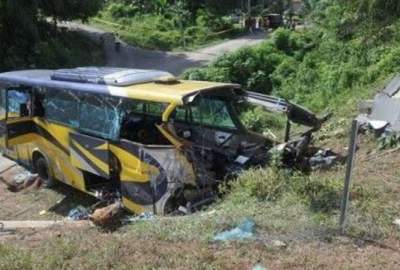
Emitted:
pixel 174 62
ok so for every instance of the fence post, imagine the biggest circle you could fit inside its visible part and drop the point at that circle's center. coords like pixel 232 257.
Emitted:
pixel 349 169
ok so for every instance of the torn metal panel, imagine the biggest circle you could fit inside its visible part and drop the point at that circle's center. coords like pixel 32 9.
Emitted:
pixel 385 112
pixel 393 87
pixel 296 113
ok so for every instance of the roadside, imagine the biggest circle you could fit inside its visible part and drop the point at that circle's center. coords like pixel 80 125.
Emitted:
pixel 119 53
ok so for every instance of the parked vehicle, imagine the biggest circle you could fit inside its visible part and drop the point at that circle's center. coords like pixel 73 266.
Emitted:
pixel 139 136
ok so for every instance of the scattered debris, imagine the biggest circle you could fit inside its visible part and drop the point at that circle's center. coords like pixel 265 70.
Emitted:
pixel 245 230
pixel 323 159
pixel 146 216
pixel 259 267
pixel 397 222
pixel 383 114
pixel 104 216
pixel 78 213
pixel 279 244
pixel 4 231
pixel 21 179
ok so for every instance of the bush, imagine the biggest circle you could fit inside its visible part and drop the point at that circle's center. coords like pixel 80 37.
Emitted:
pixel 264 184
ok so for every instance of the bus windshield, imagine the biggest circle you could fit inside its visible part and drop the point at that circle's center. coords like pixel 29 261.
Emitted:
pixel 209 111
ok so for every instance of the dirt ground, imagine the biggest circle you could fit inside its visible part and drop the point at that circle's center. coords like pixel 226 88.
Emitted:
pixel 93 248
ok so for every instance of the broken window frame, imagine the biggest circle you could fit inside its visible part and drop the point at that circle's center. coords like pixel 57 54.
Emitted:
pixel 104 101
pixel 63 120
pixel 237 126
pixel 18 113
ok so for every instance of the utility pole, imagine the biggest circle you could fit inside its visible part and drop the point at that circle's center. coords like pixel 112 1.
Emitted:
pixel 249 7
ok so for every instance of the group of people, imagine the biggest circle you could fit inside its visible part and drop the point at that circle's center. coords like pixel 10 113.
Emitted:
pixel 256 23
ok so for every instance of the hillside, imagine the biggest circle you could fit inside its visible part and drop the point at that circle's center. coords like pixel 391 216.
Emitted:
pixel 348 51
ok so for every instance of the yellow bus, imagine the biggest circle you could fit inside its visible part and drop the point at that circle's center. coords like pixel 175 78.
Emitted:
pixel 143 137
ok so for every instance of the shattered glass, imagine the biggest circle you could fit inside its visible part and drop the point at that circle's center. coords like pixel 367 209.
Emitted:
pixel 97 115
pixel 212 112
pixel 101 116
pixel 62 107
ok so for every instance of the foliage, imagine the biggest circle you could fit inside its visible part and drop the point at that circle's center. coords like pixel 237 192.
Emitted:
pixel 69 10
pixel 347 49
pixel 26 39
pixel 164 25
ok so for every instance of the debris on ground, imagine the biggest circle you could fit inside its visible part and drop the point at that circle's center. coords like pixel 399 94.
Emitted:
pixel 78 213
pixel 323 159
pixel 397 222
pixel 104 216
pixel 279 244
pixel 383 113
pixel 4 231
pixel 146 216
pixel 259 267
pixel 245 230
pixel 17 179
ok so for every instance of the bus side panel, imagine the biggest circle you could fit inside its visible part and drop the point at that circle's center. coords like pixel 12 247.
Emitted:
pixel 54 142
pixel 21 132
pixel 90 154
pixel 150 175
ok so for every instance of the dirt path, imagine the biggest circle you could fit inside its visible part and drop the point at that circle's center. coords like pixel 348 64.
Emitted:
pixel 174 62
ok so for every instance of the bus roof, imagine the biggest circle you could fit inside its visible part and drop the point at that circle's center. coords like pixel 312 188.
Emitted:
pixel 150 85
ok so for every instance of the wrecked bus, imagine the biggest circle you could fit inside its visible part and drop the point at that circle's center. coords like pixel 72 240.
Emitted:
pixel 143 137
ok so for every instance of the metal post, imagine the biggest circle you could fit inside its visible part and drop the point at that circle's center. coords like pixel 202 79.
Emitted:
pixel 349 169
pixel 287 131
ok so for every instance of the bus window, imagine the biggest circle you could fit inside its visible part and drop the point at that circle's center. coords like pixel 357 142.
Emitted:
pixel 100 116
pixel 155 109
pixel 61 107
pixel 19 103
pixel 139 121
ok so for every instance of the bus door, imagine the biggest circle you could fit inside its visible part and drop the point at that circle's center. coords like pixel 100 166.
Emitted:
pixel 20 128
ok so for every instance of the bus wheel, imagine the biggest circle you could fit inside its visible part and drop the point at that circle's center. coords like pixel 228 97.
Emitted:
pixel 42 169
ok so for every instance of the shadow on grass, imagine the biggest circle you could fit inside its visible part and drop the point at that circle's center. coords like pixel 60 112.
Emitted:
pixel 72 199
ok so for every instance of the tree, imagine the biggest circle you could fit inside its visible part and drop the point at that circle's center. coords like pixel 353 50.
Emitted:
pixel 23 25
pixel 69 9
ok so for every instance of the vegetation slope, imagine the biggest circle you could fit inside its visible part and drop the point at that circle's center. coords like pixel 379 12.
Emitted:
pixel 349 49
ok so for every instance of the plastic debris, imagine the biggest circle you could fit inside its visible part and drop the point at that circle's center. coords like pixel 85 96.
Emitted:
pixel 78 213
pixel 245 230
pixel 279 244
pixel 23 177
pixel 259 267
pixel 323 159
pixel 146 216
pixel 397 222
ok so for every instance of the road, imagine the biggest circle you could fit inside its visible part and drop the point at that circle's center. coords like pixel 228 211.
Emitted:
pixel 174 62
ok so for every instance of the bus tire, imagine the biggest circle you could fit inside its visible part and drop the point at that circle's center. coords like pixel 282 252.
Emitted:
pixel 41 167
